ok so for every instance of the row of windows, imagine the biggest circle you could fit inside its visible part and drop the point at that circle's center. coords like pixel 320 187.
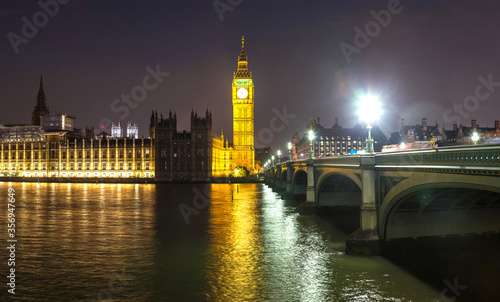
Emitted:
pixel 337 138
pixel 53 145
pixel 73 154
pixel 338 142
pixel 80 166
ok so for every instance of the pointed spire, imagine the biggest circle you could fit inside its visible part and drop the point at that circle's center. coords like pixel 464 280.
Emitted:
pixel 41 107
pixel 243 57
pixel 242 72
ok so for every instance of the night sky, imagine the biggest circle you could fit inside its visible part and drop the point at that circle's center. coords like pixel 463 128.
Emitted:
pixel 427 58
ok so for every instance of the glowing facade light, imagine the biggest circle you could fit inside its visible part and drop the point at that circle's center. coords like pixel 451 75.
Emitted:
pixel 310 135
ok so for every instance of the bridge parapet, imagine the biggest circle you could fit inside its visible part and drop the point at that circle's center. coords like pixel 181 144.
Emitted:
pixel 476 155
pixel 339 160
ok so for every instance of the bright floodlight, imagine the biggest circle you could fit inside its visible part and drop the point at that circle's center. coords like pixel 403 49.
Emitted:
pixel 475 137
pixel 310 135
pixel 369 108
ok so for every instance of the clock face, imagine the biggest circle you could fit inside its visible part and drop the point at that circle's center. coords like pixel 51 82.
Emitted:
pixel 242 93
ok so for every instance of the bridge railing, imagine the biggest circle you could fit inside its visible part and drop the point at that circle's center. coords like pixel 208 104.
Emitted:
pixel 344 160
pixel 476 155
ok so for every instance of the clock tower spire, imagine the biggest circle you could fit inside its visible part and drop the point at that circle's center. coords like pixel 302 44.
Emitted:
pixel 243 114
pixel 242 71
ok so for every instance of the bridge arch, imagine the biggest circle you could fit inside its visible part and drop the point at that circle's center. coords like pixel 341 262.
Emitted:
pixel 450 207
pixel 284 176
pixel 336 188
pixel 299 184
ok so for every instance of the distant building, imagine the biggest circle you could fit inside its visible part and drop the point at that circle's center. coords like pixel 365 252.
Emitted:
pixel 243 114
pixel 132 130
pixel 492 136
pixel 461 135
pixel 241 154
pixel 116 130
pixel 56 155
pixel 20 133
pixel 222 156
pixel 458 135
pixel 335 140
pixel 422 132
pixel 182 156
pixel 41 107
pixel 57 122
pixel 52 147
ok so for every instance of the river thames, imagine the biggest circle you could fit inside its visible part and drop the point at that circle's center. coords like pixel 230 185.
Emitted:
pixel 131 242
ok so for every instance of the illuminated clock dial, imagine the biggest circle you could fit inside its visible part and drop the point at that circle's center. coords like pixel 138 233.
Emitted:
pixel 242 93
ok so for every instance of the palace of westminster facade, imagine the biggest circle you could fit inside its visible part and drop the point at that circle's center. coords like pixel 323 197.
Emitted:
pixel 51 147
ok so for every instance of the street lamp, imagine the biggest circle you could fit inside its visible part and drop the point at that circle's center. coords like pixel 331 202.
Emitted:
pixel 311 138
pixel 369 110
pixel 279 156
pixel 475 137
pixel 289 150
pixel 272 160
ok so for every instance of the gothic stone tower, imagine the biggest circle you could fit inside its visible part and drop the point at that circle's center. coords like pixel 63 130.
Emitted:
pixel 41 106
pixel 243 114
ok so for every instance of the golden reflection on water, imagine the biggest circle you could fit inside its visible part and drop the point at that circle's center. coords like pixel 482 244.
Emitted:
pixel 96 228
pixel 235 267
pixel 250 248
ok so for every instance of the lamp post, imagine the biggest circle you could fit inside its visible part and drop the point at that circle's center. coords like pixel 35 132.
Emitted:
pixel 475 137
pixel 369 110
pixel 279 156
pixel 311 138
pixel 289 151
pixel 272 160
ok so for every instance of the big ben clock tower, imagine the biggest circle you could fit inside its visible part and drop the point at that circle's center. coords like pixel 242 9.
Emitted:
pixel 243 114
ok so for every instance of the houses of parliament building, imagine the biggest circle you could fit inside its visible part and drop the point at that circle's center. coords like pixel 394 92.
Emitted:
pixel 51 147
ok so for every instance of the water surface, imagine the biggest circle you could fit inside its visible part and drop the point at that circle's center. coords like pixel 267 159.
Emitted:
pixel 132 242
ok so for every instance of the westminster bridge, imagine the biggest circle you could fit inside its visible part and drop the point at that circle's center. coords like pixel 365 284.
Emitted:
pixel 404 194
